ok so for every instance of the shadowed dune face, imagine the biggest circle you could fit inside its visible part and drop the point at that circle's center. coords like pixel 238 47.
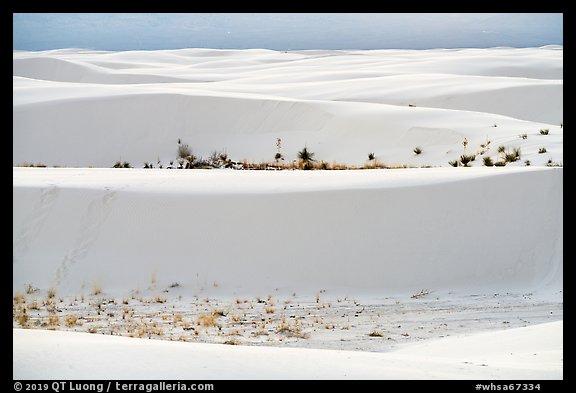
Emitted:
pixel 341 104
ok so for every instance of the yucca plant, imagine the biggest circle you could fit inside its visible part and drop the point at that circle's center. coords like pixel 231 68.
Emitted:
pixel 466 159
pixel 306 157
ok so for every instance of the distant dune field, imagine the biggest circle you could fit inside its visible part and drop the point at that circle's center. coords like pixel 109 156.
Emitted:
pixel 92 108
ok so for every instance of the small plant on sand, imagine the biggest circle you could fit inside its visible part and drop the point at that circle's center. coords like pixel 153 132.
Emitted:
pixel 420 293
pixel 306 158
pixel 465 159
pixel 278 155
pixel 527 163
pixel 51 293
pixel 454 163
pixel 371 156
pixel 500 163
pixel 544 131
pixel 34 305
pixel 22 317
pixel 542 150
pixel 122 164
pixel 523 136
pixel 30 289
pixel 184 151
pixel 218 159
pixel 189 161
pixel 485 144
pixel 232 341
pixel 53 320
pixel 417 150
pixel 288 330
pixel 501 149
pixel 376 334
pixel 208 320
pixel 551 163
pixel 71 320
pixel 488 161
pixel 512 156
pixel 19 298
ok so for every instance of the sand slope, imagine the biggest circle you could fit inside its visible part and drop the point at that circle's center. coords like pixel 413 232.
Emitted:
pixel 341 104
pixel 525 353
pixel 251 232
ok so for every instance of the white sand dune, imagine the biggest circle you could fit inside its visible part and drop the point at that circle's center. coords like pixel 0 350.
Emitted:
pixel 341 104
pixel 346 231
pixel 355 234
pixel 532 353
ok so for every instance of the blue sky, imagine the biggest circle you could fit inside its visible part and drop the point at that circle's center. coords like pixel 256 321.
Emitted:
pixel 283 31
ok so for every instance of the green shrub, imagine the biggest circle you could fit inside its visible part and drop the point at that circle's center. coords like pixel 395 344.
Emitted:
pixel 488 161
pixel 512 156
pixel 466 159
pixel 121 164
pixel 306 157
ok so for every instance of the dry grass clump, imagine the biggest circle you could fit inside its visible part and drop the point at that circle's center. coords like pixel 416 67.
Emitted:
pixel 288 330
pixel 19 298
pixel 208 320
pixel 232 341
pixel 236 319
pixel 50 306
pixel 22 317
pixel 53 320
pixel 71 320
pixel 376 334
pixel 34 305
pixel 51 293
pixel 27 164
